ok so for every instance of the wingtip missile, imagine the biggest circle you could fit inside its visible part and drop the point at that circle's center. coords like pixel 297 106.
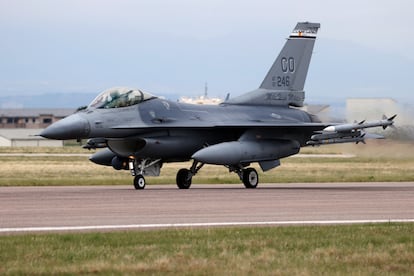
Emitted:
pixel 348 133
pixel 384 123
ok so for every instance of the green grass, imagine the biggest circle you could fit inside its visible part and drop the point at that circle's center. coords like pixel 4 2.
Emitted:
pixel 386 249
pixel 372 162
pixel 56 170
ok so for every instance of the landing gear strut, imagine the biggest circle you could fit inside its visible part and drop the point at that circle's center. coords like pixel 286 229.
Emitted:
pixel 137 170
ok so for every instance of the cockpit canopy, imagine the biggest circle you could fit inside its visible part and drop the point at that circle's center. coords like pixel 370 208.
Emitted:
pixel 120 97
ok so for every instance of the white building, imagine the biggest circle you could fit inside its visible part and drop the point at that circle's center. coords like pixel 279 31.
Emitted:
pixel 25 138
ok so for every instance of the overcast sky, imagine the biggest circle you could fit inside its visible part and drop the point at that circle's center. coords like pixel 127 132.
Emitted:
pixel 364 48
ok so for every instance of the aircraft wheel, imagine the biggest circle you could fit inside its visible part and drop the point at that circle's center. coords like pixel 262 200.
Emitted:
pixel 184 179
pixel 139 182
pixel 250 178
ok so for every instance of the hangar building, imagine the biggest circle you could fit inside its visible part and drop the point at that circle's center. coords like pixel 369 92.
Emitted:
pixel 23 137
pixel 32 118
pixel 19 127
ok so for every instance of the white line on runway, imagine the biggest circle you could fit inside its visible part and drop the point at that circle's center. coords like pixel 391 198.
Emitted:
pixel 207 224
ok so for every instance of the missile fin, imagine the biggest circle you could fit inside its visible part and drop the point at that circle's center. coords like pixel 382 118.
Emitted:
pixel 392 117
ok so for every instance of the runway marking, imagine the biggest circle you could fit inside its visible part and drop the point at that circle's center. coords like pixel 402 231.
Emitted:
pixel 202 224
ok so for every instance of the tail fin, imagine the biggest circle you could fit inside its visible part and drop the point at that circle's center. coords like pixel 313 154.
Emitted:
pixel 288 72
pixel 283 84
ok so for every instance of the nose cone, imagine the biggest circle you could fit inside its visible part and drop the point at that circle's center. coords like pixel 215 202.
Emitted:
pixel 71 127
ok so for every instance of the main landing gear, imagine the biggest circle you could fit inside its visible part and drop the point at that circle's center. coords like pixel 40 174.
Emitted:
pixel 248 176
pixel 185 176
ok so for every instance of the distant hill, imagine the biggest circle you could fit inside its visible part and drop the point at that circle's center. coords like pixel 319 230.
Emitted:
pixel 51 100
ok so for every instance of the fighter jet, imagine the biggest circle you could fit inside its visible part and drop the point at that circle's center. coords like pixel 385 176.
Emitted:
pixel 140 132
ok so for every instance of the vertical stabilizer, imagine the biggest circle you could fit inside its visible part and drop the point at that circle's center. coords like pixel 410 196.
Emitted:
pixel 288 72
pixel 284 83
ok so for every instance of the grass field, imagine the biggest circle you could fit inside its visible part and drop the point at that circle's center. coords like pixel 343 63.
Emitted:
pixel 372 162
pixel 386 249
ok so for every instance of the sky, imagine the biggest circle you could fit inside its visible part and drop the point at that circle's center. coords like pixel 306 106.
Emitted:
pixel 171 48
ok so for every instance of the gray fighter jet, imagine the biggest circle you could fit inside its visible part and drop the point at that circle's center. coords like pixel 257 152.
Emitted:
pixel 139 132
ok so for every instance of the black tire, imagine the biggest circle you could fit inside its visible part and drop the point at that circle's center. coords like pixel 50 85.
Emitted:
pixel 139 182
pixel 184 179
pixel 250 178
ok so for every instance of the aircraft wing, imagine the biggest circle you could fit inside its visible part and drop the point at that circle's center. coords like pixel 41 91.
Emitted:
pixel 239 127
pixel 317 133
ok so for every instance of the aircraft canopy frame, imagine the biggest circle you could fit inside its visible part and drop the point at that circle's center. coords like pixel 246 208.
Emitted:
pixel 118 97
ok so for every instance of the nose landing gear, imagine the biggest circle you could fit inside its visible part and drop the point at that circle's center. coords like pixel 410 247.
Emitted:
pixel 137 170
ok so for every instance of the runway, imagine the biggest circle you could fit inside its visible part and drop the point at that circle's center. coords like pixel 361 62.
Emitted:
pixel 33 209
